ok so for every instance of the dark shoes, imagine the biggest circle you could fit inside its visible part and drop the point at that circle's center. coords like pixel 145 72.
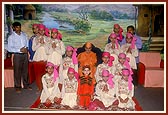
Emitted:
pixel 18 90
pixel 28 88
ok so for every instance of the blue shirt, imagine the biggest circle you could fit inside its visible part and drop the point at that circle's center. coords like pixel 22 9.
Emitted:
pixel 31 52
pixel 16 42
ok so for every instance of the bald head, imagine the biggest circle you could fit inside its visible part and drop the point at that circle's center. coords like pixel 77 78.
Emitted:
pixel 88 47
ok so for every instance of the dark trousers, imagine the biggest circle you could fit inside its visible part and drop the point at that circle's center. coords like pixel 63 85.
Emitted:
pixel 135 76
pixel 20 64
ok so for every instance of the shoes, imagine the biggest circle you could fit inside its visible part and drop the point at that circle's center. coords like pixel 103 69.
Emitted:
pixel 28 88
pixel 18 90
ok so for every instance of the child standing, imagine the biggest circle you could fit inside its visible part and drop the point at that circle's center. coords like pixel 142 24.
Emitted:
pixel 69 89
pixel 130 49
pixel 70 60
pixel 40 45
pixel 125 91
pixel 132 52
pixel 117 29
pixel 50 93
pixel 57 48
pixel 113 47
pixel 36 34
pixel 85 88
pixel 138 43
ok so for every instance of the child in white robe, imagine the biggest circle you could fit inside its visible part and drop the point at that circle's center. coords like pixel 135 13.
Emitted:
pixel 50 92
pixel 117 29
pixel 113 47
pixel 105 92
pixel 57 48
pixel 130 49
pixel 69 88
pixel 105 89
pixel 70 60
pixel 41 45
pixel 123 62
pixel 125 91
pixel 106 64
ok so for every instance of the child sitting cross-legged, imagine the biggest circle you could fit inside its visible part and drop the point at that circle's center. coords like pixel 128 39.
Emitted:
pixel 69 88
pixel 125 91
pixel 50 93
pixel 104 92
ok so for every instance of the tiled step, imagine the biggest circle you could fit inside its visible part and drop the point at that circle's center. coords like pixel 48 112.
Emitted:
pixel 155 49
pixel 156 44
pixel 153 38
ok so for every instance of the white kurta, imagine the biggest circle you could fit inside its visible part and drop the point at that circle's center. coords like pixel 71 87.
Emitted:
pixel 100 67
pixel 132 55
pixel 69 91
pixel 106 97
pixel 123 91
pixel 50 88
pixel 113 52
pixel 55 54
pixel 41 50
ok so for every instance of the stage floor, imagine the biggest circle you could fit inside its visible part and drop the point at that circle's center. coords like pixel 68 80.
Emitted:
pixel 150 99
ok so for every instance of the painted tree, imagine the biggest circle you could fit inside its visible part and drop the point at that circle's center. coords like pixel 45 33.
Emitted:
pixel 82 25
pixel 84 12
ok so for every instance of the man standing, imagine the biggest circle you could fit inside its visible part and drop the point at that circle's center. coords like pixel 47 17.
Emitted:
pixel 18 46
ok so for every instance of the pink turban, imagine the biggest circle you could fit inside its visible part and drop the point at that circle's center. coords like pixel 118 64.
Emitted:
pixel 41 26
pixel 69 48
pixel 54 30
pixel 113 35
pixel 55 69
pixel 59 35
pixel 120 31
pixel 111 58
pixel 47 32
pixel 106 54
pixel 129 35
pixel 35 25
pixel 122 55
pixel 127 72
pixel 126 63
pixel 71 70
pixel 74 54
pixel 110 77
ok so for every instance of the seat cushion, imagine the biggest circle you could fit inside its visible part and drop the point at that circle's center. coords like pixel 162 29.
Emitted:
pixel 141 73
pixel 154 78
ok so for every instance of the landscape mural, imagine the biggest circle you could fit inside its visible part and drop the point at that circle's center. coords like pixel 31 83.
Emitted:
pixel 78 23
pixel 88 22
